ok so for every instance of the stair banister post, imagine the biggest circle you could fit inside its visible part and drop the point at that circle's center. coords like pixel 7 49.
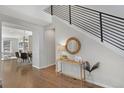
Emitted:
pixel 70 14
pixel 100 14
pixel 51 9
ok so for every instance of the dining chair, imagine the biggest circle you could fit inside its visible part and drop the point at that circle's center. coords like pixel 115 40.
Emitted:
pixel 24 57
pixel 17 55
pixel 30 56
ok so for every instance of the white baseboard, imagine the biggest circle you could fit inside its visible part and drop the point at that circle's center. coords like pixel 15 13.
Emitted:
pixel 99 84
pixel 46 66
pixel 93 82
pixel 76 77
pixel 36 67
pixel 43 66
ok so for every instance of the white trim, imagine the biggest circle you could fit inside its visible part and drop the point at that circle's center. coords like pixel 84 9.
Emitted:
pixel 43 66
pixel 99 84
pixel 93 82
pixel 69 75
pixel 36 67
pixel 46 66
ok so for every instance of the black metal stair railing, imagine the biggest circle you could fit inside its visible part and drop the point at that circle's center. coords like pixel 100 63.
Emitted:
pixel 86 19
pixel 108 28
pixel 113 30
pixel 61 11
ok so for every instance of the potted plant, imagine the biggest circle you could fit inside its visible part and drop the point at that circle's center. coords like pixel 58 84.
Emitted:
pixel 89 68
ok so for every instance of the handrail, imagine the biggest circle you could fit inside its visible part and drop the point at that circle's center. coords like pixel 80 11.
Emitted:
pixel 90 19
pixel 101 12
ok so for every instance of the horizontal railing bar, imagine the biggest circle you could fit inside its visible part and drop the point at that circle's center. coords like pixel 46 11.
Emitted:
pixel 77 7
pixel 113 44
pixel 60 7
pixel 104 26
pixel 112 22
pixel 113 16
pixel 76 10
pixel 113 41
pixel 107 30
pixel 87 28
pixel 102 12
pixel 87 22
pixel 85 18
pixel 116 20
pixel 96 31
pixel 80 21
pixel 110 36
pixel 112 25
pixel 62 10
pixel 88 8
pixel 73 12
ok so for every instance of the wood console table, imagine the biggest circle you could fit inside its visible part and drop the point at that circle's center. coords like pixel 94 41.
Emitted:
pixel 69 61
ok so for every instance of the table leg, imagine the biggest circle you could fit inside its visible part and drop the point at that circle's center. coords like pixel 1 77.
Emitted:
pixel 56 68
pixel 61 67
pixel 81 75
pixel 84 75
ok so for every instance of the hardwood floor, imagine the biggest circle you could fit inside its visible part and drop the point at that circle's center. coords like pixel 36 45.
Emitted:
pixel 16 75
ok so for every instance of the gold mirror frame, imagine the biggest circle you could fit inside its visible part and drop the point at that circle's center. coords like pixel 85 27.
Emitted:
pixel 74 43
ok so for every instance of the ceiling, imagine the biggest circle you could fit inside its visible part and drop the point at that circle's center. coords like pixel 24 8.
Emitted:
pixel 30 13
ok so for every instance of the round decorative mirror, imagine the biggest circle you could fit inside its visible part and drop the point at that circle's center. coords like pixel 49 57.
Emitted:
pixel 73 45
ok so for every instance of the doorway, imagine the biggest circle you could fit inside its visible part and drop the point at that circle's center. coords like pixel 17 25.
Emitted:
pixel 16 44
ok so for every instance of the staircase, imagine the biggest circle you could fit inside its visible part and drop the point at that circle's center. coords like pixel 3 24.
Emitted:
pixel 106 27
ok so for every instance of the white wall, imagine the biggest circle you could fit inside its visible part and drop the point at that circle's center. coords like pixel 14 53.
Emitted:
pixel 0 39
pixel 38 49
pixel 35 49
pixel 0 51
pixel 38 34
pixel 41 56
pixel 43 48
pixel 110 72
pixel 49 53
pixel 11 32
pixel 13 45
